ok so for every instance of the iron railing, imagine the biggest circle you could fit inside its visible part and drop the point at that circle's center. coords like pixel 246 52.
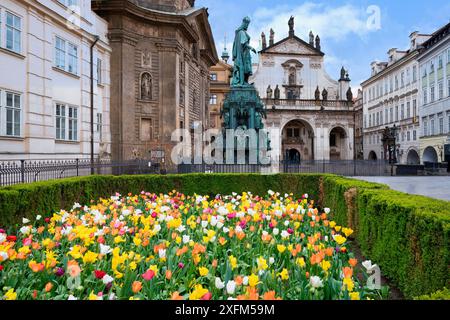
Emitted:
pixel 27 171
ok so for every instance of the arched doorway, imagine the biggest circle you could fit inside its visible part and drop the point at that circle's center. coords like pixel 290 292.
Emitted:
pixel 372 155
pixel 338 138
pixel 293 156
pixel 413 157
pixel 430 155
pixel 298 140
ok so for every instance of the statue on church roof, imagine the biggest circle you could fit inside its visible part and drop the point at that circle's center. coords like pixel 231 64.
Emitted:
pixel 317 42
pixel 311 38
pixel 291 26
pixel 263 40
pixel 324 94
pixel 277 92
pixel 272 37
pixel 317 94
pixel 349 95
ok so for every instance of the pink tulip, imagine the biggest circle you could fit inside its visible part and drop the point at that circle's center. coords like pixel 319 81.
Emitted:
pixel 148 275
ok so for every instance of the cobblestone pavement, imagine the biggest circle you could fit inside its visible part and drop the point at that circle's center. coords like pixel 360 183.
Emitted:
pixel 431 186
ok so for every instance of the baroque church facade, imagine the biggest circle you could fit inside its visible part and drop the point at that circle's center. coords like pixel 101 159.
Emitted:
pixel 312 113
pixel 161 54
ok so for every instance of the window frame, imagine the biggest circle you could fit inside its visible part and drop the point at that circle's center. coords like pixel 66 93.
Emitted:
pixel 69 126
pixel 16 112
pixel 14 29
pixel 70 58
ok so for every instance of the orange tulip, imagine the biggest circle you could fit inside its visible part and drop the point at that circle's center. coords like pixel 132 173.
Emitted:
pixel 48 287
pixel 353 262
pixel 238 280
pixel 168 274
pixel 176 296
pixel 137 286
pixel 348 272
pixel 214 263
pixel 270 295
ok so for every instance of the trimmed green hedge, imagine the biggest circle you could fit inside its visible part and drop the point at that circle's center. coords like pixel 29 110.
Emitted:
pixel 407 235
pixel 29 200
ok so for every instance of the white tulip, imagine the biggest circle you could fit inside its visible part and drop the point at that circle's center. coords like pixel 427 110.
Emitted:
pixel 316 282
pixel 186 239
pixel 276 231
pixel 107 279
pixel 71 297
pixel 219 283
pixel 38 217
pixel 231 286
pixel 25 220
pixel 327 210
pixel 104 250
pixel 2 238
pixel 245 281
pixel 271 260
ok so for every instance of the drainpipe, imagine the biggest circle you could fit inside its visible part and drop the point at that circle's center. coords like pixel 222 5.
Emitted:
pixel 92 102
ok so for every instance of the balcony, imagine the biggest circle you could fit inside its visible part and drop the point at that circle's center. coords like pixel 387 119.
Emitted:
pixel 306 104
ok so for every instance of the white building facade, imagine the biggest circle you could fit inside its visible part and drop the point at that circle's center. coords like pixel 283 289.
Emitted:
pixel 45 95
pixel 312 112
pixel 391 98
pixel 434 108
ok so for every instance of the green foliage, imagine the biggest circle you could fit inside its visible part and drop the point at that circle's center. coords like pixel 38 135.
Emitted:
pixel 443 294
pixel 407 235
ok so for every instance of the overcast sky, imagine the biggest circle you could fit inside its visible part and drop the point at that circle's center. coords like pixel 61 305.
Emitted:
pixel 353 33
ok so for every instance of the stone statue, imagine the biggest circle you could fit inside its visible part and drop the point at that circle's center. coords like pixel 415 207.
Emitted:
pixel 272 37
pixel 292 77
pixel 269 92
pixel 324 94
pixel 146 58
pixel 317 42
pixel 317 94
pixel 277 92
pixel 146 86
pixel 349 95
pixel 291 26
pixel 263 40
pixel 241 55
pixel 311 38
pixel 342 73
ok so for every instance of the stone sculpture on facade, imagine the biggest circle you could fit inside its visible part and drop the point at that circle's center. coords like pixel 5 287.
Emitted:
pixel 349 95
pixel 269 92
pixel 272 37
pixel 146 86
pixel 324 94
pixel 277 92
pixel 317 94
pixel 263 40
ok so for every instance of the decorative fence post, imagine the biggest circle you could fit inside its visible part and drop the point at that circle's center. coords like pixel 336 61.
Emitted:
pixel 22 170
pixel 77 164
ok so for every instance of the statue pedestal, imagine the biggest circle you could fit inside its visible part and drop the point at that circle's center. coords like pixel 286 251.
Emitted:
pixel 244 110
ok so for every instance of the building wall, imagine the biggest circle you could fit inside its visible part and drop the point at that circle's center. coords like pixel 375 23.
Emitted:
pixel 435 108
pixel 386 100
pixel 30 73
pixel 175 51
pixel 219 87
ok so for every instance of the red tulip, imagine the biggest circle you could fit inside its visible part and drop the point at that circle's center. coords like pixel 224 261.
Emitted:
pixel 207 296
pixel 47 220
pixel 11 238
pixel 99 274
pixel 148 275
pixel 1 267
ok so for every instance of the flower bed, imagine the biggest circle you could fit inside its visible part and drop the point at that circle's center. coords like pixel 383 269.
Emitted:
pixel 175 246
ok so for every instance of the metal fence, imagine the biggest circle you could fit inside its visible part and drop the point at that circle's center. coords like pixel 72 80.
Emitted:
pixel 26 171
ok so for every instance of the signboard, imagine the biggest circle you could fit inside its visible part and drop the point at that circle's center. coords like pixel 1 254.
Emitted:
pixel 157 154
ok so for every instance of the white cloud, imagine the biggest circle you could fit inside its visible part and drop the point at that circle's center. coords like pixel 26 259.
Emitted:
pixel 328 22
